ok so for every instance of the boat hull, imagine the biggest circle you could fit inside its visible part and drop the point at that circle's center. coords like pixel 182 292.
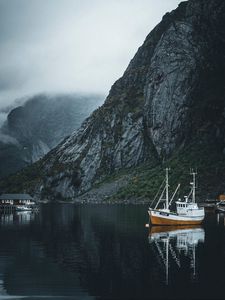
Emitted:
pixel 161 218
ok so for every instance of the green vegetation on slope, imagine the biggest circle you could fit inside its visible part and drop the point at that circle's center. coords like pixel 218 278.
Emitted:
pixel 208 162
pixel 23 181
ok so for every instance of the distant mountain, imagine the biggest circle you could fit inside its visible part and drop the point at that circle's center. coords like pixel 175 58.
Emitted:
pixel 34 128
pixel 167 109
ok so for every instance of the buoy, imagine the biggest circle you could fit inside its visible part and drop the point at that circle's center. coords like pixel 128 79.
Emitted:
pixel 147 225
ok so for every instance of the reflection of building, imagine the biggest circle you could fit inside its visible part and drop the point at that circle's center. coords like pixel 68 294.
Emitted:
pixel 2 289
pixel 21 218
pixel 170 242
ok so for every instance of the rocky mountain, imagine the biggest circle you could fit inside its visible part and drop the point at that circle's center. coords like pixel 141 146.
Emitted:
pixel 35 127
pixel 167 108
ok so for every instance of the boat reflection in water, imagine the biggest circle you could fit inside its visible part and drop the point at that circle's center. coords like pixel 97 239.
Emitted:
pixel 171 242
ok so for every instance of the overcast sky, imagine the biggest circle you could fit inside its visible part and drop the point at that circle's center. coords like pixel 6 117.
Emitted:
pixel 71 45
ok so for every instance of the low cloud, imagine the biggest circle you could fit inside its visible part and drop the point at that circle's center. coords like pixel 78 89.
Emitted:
pixel 70 45
pixel 6 139
pixel 3 117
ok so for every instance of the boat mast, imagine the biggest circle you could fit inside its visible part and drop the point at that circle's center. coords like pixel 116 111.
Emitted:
pixel 167 188
pixel 193 185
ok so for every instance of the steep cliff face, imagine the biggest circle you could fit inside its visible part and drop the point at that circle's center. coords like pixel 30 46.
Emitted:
pixel 34 128
pixel 184 80
pixel 171 95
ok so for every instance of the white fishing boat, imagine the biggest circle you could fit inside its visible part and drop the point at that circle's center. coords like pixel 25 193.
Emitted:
pixel 187 212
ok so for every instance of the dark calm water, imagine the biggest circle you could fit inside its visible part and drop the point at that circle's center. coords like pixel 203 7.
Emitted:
pixel 105 252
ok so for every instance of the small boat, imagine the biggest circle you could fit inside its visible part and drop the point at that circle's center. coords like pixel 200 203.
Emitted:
pixel 187 212
pixel 209 203
pixel 220 207
pixel 23 208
